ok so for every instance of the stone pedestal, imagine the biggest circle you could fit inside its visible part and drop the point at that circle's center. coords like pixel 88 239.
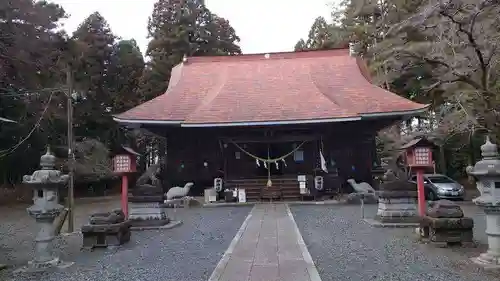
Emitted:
pixel 446 225
pixel 44 257
pixel 397 209
pixel 147 209
pixel 106 229
pixel 148 214
pixel 397 205
pixel 490 259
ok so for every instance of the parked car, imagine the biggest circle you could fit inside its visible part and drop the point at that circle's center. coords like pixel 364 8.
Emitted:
pixel 439 186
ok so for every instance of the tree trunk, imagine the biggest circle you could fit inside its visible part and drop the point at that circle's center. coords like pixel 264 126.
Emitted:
pixel 442 160
pixel 472 155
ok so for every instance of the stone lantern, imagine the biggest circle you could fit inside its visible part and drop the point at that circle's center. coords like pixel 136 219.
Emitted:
pixel 487 174
pixel 45 183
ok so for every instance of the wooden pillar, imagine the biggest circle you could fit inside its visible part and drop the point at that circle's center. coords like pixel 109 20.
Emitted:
pixel 224 159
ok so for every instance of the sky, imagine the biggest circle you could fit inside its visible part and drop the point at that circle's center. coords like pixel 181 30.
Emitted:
pixel 262 25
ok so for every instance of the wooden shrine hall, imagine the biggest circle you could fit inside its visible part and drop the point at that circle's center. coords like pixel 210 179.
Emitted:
pixel 279 125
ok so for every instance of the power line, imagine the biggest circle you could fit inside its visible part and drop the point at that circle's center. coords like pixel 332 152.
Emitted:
pixel 11 93
pixel 2 119
pixel 37 124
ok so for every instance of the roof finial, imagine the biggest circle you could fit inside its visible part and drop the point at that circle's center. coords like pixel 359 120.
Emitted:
pixel 184 59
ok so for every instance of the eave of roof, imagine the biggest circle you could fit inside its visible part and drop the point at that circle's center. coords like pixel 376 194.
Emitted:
pixel 180 123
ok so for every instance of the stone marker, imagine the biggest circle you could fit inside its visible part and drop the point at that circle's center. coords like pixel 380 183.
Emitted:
pixel 45 183
pixel 445 224
pixel 106 229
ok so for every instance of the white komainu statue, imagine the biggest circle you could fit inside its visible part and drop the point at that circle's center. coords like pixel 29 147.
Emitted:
pixel 361 187
pixel 179 192
pixel 364 192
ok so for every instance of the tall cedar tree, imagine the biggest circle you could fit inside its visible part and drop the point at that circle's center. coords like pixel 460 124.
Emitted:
pixel 93 80
pixel 179 28
pixel 126 68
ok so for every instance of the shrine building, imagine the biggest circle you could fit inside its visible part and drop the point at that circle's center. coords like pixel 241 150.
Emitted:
pixel 280 125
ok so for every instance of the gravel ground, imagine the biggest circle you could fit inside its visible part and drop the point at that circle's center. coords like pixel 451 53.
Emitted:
pixel 189 252
pixel 344 247
pixel 18 229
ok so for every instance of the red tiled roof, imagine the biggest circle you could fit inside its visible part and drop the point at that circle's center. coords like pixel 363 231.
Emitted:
pixel 309 86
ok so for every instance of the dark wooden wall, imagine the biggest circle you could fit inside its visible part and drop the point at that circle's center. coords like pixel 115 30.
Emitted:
pixel 246 166
pixel 349 144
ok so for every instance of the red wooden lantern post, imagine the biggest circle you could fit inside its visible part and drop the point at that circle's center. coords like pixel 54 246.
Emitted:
pixel 419 159
pixel 124 164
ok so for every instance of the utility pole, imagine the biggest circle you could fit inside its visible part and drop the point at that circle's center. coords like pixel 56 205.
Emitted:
pixel 71 154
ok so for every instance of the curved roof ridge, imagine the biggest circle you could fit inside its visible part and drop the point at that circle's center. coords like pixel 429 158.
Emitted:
pixel 212 94
pixel 321 92
pixel 272 56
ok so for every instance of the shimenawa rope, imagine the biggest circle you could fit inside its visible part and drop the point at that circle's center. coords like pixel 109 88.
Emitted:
pixel 268 160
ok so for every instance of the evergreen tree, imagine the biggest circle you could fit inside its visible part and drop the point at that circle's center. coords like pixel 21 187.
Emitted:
pixel 323 36
pixel 29 76
pixel 318 35
pixel 179 28
pixel 300 46
pixel 92 79
pixel 126 68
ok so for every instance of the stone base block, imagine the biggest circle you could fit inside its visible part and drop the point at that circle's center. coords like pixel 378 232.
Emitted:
pixel 105 235
pixel 148 214
pixel 170 224
pixel 487 260
pixel 410 202
pixel 184 202
pixel 450 231
pixel 113 217
pixel 452 236
pixel 53 264
pixel 378 223
pixel 147 211
pixel 447 223
pixel 397 210
pixel 398 218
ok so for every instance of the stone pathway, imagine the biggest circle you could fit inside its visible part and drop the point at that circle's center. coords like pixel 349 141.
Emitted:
pixel 268 247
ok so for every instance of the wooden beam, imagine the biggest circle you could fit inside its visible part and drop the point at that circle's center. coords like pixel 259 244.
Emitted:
pixel 259 139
